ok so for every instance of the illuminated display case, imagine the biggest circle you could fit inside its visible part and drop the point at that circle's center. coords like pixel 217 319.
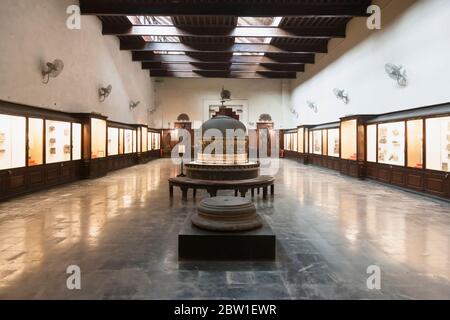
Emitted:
pixel 391 143
pixel 438 144
pixel 372 143
pixel 36 147
pixel 333 142
pixel 349 139
pixel 121 141
pixel 76 141
pixel 144 139
pixel 12 141
pixel 35 141
pixel 410 149
pixel 290 140
pixel 113 141
pixel 317 142
pixel 415 143
pixel 128 136
pixel 301 139
pixel 58 141
pixel 98 138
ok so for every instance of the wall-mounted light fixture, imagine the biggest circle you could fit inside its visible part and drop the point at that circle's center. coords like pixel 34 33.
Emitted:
pixel 134 105
pixel 342 95
pixel 52 69
pixel 103 93
pixel 398 73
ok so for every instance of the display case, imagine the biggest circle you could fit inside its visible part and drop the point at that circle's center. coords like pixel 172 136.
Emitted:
pixel 35 142
pixel 12 141
pixel 98 138
pixel 317 142
pixel 35 149
pixel 113 141
pixel 120 145
pixel 265 133
pixel 410 149
pixel 438 144
pixel 144 154
pixel 391 143
pixel 76 141
pixel 121 141
pixel 333 143
pixel 95 145
pixel 325 145
pixel 290 143
pixel 128 141
pixel 58 141
pixel 353 145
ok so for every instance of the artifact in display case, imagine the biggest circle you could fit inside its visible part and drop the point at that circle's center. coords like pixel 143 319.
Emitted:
pixel 391 143
pixel 58 137
pixel 438 144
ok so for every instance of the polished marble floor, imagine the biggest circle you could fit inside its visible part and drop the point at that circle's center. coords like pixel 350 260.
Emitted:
pixel 121 231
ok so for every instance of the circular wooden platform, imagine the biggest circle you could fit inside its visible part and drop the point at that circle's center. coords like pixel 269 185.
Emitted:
pixel 212 186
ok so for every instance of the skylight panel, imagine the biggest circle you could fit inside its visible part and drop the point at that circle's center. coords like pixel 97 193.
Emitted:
pixel 151 20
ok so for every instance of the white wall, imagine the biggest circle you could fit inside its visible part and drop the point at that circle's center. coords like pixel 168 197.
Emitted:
pixel 418 38
pixel 175 96
pixel 33 32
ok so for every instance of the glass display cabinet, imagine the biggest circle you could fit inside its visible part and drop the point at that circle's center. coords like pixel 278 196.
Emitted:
pixel 290 143
pixel 303 143
pixel 353 145
pixel 120 145
pixel 154 144
pixel 325 145
pixel 143 155
pixel 411 149
pixel 265 135
pixel 37 149
pixel 95 145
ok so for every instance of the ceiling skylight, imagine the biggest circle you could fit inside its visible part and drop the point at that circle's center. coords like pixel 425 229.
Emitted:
pixel 258 22
pixel 151 20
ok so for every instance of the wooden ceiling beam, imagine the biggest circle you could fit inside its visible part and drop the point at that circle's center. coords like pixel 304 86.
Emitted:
pixel 223 67
pixel 209 47
pixel 253 32
pixel 146 56
pixel 231 8
pixel 223 74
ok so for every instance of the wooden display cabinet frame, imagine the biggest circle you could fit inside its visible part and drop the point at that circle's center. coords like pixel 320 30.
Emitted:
pixel 121 160
pixel 98 167
pixel 433 182
pixel 28 179
pixel 270 127
pixel 355 168
pixel 324 160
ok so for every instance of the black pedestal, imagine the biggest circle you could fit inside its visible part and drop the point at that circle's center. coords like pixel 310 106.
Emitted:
pixel 198 244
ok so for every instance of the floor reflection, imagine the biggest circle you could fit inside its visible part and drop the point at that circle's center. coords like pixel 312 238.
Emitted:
pixel 122 232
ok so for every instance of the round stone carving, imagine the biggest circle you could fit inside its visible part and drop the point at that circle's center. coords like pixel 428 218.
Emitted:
pixel 227 214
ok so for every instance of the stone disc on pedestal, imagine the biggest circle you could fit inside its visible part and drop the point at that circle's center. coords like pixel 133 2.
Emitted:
pixel 227 214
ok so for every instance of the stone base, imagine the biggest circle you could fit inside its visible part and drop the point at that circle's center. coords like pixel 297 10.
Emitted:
pixel 197 244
